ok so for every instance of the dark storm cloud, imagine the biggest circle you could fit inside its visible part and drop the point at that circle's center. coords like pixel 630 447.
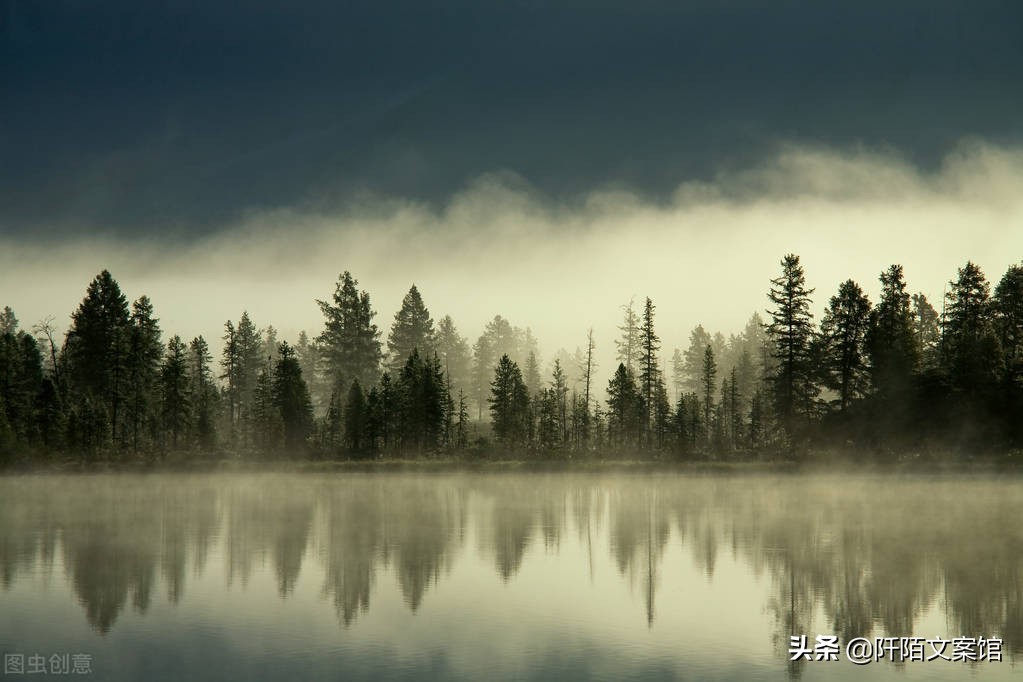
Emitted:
pixel 134 116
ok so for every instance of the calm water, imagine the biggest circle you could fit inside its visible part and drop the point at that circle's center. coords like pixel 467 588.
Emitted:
pixel 504 576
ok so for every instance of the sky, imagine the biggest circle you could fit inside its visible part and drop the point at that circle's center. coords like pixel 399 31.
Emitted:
pixel 542 160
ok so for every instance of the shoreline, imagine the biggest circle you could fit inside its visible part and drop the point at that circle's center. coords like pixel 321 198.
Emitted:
pixel 813 466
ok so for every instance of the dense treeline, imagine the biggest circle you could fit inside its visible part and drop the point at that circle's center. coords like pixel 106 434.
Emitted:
pixel 892 376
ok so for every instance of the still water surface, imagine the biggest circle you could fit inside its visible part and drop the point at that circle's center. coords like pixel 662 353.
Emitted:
pixel 503 576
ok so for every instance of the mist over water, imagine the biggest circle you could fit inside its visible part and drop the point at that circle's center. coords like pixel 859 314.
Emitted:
pixel 503 576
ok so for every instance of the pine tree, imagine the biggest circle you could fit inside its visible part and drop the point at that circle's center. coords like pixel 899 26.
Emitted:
pixel 709 375
pixel 526 344
pixel 333 425
pixel 175 407
pixel 548 436
pixel 1007 309
pixel 350 341
pixel 21 380
pixel 662 415
pixel 891 342
pixel 264 417
pixel 843 333
pixel 698 431
pixel 734 398
pixel 678 373
pixel 421 403
pixel 649 374
pixel 244 357
pixel 309 359
pixel 927 330
pixel 680 425
pixel 251 362
pixel 145 353
pixel 482 371
pixel 50 417
pixel 462 425
pixel 504 339
pixel 437 402
pixel 291 398
pixel 718 344
pixel 455 356
pixel 759 345
pixel 559 397
pixel 756 420
pixel 373 422
pixel 269 350
pixel 412 329
pixel 447 403
pixel 204 393
pixel 231 364
pixel 699 339
pixel 971 349
pixel 88 427
pixel 532 374
pixel 624 408
pixel 8 322
pixel 97 351
pixel 747 378
pixel 791 334
pixel 629 343
pixel 719 420
pixel 509 404
pixel 356 420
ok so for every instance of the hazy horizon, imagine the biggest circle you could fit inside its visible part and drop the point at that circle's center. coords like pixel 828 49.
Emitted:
pixel 498 247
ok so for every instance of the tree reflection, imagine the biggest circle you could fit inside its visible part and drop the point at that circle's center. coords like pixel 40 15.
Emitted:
pixel 411 525
pixel 639 531
pixel 865 558
pixel 353 544
pixel 513 520
pixel 111 545
pixel 422 533
pixel 28 530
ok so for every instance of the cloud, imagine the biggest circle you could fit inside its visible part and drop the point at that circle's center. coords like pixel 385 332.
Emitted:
pixel 499 247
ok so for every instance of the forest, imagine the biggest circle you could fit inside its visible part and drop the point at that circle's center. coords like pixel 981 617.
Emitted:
pixel 883 380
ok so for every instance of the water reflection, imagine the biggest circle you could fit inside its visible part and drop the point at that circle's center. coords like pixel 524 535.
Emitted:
pixel 856 558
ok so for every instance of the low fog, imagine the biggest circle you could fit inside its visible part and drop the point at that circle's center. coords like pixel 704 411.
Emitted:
pixel 502 247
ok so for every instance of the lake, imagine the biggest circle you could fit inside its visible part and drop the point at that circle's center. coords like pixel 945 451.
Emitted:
pixel 507 576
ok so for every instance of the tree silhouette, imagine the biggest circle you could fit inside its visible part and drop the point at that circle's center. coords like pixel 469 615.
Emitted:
pixel 291 397
pixel 145 352
pixel 890 340
pixel 97 347
pixel 509 404
pixel 1008 320
pixel 843 333
pixel 971 349
pixel 649 373
pixel 174 385
pixel 412 330
pixel 791 334
pixel 350 341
